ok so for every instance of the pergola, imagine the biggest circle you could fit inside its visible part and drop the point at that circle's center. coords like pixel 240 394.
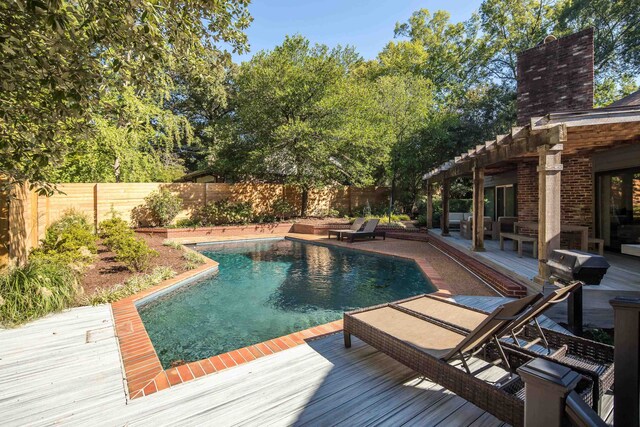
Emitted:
pixel 547 139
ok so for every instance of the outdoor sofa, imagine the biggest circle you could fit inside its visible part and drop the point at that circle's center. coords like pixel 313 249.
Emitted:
pixel 357 224
pixel 428 344
pixel 455 218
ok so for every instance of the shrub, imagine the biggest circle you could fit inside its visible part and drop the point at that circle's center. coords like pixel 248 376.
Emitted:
pixel 134 253
pixel 223 212
pixel 187 223
pixel 160 208
pixel 112 226
pixel 194 259
pixel 172 244
pixel 115 233
pixel 69 240
pixel 282 209
pixel 130 287
pixel 32 291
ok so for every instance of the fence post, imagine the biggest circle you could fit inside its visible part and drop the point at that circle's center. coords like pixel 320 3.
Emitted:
pixel 547 385
pixel 626 397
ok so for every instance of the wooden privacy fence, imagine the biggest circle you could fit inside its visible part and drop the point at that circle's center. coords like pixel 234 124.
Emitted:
pixel 24 218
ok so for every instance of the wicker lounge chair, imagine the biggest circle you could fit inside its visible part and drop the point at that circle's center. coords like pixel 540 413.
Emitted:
pixel 357 224
pixel 369 231
pixel 427 347
pixel 525 335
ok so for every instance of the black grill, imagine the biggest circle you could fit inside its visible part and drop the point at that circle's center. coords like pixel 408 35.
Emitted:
pixel 577 265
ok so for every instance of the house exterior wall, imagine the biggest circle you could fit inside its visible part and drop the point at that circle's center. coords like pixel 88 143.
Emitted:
pixel 577 191
pixel 556 76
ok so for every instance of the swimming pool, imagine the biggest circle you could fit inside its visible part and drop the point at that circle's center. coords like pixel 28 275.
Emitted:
pixel 270 288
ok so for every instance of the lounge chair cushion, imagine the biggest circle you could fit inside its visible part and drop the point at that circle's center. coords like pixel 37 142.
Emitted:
pixel 428 337
pixel 442 310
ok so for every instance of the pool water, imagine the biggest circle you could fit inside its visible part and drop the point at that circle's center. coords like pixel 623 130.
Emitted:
pixel 270 288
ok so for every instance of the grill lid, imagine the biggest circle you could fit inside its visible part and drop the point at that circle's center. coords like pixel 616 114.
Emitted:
pixel 577 260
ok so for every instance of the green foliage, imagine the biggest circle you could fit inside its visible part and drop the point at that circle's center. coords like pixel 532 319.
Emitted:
pixel 187 223
pixel 290 115
pixel 135 254
pixel 69 240
pixel 61 58
pixel 34 290
pixel 617 37
pixel 133 140
pixel 162 207
pixel 282 209
pixel 130 287
pixel 223 212
pixel 113 226
pixel 194 259
pixel 172 244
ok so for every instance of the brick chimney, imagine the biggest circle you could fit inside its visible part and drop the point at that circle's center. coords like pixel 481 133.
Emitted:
pixel 556 76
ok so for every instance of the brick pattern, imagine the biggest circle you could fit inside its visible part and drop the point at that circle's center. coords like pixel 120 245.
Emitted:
pixel 556 76
pixel 223 230
pixel 323 229
pixel 527 192
pixel 143 370
pixel 503 283
pixel 577 192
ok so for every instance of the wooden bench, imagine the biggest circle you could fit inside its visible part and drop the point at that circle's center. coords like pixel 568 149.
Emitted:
pixel 518 240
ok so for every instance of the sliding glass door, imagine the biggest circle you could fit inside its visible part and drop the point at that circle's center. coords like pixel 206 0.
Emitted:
pixel 619 207
pixel 500 201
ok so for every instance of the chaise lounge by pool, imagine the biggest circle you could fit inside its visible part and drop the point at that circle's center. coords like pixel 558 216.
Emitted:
pixel 269 288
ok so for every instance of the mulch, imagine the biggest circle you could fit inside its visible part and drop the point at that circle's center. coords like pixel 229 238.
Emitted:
pixel 107 272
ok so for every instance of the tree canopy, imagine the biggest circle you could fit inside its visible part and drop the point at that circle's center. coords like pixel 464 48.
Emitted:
pixel 144 91
pixel 59 58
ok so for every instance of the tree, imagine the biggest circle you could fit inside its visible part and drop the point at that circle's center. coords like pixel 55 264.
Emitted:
pixel 509 27
pixel 289 120
pixel 59 58
pixel 405 102
pixel 444 53
pixel 134 140
pixel 617 42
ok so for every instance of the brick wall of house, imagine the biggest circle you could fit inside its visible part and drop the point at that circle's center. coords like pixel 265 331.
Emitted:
pixel 576 200
pixel 556 76
pixel 527 189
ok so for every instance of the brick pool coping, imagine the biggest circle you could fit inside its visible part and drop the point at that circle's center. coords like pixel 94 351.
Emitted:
pixel 144 374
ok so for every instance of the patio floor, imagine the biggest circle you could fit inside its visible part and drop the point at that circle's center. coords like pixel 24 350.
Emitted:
pixel 65 369
pixel 622 278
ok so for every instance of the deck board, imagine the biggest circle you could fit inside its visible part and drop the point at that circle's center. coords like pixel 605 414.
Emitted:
pixel 49 374
pixel 622 278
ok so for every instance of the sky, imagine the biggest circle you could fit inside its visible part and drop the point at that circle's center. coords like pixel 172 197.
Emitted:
pixel 365 24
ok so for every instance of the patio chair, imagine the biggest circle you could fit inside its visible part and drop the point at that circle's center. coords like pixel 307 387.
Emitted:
pixel 524 334
pixel 369 231
pixel 357 224
pixel 428 347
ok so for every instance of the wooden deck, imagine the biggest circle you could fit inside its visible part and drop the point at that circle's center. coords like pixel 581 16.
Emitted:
pixel 66 369
pixel 622 278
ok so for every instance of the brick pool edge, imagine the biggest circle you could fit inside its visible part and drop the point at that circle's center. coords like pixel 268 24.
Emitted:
pixel 143 371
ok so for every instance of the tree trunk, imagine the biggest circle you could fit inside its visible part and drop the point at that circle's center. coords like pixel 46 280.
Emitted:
pixel 304 202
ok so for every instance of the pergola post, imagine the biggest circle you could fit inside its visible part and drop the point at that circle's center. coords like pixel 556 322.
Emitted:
pixel 429 205
pixel 549 184
pixel 477 239
pixel 445 207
